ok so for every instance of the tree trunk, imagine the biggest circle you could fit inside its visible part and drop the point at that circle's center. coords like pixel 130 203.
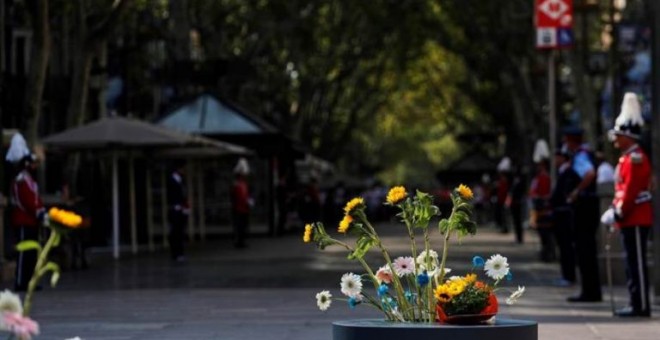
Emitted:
pixel 79 87
pixel 41 46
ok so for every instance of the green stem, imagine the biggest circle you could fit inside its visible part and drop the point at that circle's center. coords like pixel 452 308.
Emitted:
pixel 36 276
pixel 366 267
pixel 429 288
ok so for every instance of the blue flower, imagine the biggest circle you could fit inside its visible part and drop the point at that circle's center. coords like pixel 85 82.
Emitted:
pixel 409 295
pixel 509 276
pixel 383 289
pixel 352 302
pixel 423 279
pixel 478 261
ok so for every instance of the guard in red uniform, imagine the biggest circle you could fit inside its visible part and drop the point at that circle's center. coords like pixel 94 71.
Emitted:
pixel 27 213
pixel 631 210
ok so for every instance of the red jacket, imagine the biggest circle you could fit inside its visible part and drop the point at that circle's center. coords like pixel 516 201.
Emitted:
pixel 632 199
pixel 27 206
pixel 240 197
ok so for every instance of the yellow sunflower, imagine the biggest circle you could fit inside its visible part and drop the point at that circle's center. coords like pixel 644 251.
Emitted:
pixel 456 287
pixel 442 294
pixel 352 204
pixel 65 218
pixel 345 224
pixel 465 192
pixel 396 195
pixel 308 233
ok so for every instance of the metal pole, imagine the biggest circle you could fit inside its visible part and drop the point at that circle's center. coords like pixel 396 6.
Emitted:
pixel 552 112
pixel 150 209
pixel 131 188
pixel 200 201
pixel 115 207
pixel 191 199
pixel 163 205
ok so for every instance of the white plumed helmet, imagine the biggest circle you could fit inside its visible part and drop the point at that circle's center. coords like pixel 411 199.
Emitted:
pixel 541 151
pixel 504 165
pixel 242 167
pixel 629 122
pixel 18 149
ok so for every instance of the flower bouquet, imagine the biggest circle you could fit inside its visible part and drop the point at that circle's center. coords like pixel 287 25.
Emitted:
pixel 414 288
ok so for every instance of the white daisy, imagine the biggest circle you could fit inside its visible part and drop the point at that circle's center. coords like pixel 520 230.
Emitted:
pixel 515 295
pixel 404 266
pixel 497 267
pixel 323 300
pixel 433 258
pixel 351 285
pixel 10 302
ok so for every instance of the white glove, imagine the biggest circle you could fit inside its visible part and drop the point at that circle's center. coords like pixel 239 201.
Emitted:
pixel 608 217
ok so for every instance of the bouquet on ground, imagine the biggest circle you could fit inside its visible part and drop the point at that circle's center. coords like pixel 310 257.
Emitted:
pixel 412 288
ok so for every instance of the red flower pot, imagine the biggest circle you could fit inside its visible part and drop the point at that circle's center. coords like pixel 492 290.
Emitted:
pixel 469 319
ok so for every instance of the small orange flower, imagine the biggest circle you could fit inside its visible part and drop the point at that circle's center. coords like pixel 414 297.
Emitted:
pixel 396 195
pixel 465 192
pixel 345 224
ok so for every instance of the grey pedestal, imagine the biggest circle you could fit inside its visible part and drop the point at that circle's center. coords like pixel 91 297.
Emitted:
pixel 373 329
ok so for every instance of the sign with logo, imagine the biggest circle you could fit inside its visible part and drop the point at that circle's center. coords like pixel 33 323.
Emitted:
pixel 554 20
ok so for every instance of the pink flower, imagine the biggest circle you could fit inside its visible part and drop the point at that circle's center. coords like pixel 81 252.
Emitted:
pixel 404 265
pixel 384 274
pixel 21 326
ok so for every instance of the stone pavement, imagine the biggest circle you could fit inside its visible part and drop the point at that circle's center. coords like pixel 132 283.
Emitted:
pixel 267 291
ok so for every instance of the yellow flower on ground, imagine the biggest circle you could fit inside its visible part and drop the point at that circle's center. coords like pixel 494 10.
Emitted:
pixel 308 233
pixel 442 294
pixel 352 204
pixel 345 224
pixel 65 218
pixel 465 192
pixel 396 194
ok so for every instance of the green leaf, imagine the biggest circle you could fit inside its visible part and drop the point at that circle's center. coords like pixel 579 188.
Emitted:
pixel 364 243
pixel 443 225
pixel 28 245
pixel 54 278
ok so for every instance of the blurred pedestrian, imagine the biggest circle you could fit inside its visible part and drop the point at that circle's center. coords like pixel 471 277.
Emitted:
pixel 539 194
pixel 501 193
pixel 514 202
pixel 605 171
pixel 631 210
pixel 563 216
pixel 585 217
pixel 241 203
pixel 178 211
pixel 27 212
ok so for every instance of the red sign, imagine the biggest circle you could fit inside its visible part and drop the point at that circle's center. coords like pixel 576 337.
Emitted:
pixel 553 13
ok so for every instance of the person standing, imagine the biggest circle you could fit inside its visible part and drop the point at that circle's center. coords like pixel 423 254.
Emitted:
pixel 514 202
pixel 501 193
pixel 240 203
pixel 539 194
pixel 28 212
pixel 179 209
pixel 585 220
pixel 562 216
pixel 631 210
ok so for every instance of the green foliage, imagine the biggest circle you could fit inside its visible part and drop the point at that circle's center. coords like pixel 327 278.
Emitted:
pixel 471 301
pixel 362 246
pixel 423 210
pixel 28 245
pixel 55 270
